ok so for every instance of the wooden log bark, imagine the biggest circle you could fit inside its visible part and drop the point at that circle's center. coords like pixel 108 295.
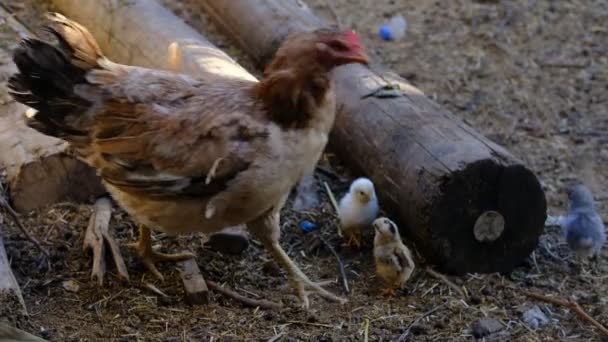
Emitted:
pixel 11 300
pixel 38 169
pixel 12 334
pixel 443 181
pixel 144 33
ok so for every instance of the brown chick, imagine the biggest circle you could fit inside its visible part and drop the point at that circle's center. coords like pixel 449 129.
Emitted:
pixel 188 154
pixel 394 263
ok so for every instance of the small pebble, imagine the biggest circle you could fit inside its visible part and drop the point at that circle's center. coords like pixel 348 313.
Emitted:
pixel 475 300
pixel 44 333
pixel 486 326
pixel 71 286
pixel 307 226
pixel 535 317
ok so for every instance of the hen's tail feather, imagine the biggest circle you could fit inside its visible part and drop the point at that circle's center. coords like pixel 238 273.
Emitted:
pixel 48 75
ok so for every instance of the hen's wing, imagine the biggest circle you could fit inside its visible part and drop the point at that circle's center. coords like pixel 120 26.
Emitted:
pixel 164 134
pixel 394 259
pixel 403 259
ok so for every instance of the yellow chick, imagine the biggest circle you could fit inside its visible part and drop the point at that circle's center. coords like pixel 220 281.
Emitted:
pixel 357 210
pixel 394 262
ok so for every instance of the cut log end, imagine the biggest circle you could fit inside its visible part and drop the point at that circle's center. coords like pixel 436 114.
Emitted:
pixel 489 226
pixel 496 227
pixel 72 180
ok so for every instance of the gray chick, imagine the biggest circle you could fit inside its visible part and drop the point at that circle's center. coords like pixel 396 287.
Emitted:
pixel 583 227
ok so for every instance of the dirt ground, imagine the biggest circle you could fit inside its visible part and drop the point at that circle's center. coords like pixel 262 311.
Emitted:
pixel 531 75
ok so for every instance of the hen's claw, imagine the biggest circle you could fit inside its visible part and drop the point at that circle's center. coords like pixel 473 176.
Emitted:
pixel 149 257
pixel 301 288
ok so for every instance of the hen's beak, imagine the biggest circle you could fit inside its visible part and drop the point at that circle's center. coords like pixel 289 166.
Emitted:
pixel 354 56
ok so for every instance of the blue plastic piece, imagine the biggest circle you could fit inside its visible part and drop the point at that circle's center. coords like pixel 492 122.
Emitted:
pixel 385 32
pixel 307 226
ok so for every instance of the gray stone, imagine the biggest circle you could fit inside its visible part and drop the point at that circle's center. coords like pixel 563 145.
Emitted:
pixel 486 326
pixel 535 317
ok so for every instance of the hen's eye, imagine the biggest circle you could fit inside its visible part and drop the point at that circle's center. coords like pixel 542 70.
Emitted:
pixel 338 45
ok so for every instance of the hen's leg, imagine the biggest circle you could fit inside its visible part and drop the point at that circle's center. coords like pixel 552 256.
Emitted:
pixel 149 257
pixel 267 230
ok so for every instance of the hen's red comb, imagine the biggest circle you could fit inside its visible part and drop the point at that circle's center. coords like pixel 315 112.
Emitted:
pixel 352 37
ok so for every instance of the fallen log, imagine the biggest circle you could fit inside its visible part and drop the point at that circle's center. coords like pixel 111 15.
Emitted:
pixel 467 203
pixel 144 33
pixel 38 169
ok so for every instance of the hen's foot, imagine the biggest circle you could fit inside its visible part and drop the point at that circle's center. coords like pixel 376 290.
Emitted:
pixel 302 284
pixel 149 257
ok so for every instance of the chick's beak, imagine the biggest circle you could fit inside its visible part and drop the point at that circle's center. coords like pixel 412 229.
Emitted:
pixel 365 198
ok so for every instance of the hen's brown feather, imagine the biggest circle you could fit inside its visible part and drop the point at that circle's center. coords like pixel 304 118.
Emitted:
pixel 170 145
pixel 165 139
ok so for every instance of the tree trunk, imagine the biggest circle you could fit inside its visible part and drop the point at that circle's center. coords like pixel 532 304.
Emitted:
pixel 38 170
pixel 466 203
pixel 144 33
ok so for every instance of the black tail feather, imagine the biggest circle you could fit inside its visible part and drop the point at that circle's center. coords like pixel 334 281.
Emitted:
pixel 49 73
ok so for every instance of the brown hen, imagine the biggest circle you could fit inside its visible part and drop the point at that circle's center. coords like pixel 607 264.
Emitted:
pixel 189 154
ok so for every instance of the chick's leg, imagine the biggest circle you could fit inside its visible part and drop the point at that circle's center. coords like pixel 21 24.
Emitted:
pixel 354 239
pixel 388 292
pixel 149 257
pixel 267 230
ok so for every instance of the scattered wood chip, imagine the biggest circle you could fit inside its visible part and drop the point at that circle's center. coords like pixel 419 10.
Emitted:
pixel 71 285
pixel 446 281
pixel 195 287
pixel 10 292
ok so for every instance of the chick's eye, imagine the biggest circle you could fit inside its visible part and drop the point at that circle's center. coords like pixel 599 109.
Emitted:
pixel 392 229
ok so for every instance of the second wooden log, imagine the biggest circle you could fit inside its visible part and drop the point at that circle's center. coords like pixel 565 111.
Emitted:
pixel 467 203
